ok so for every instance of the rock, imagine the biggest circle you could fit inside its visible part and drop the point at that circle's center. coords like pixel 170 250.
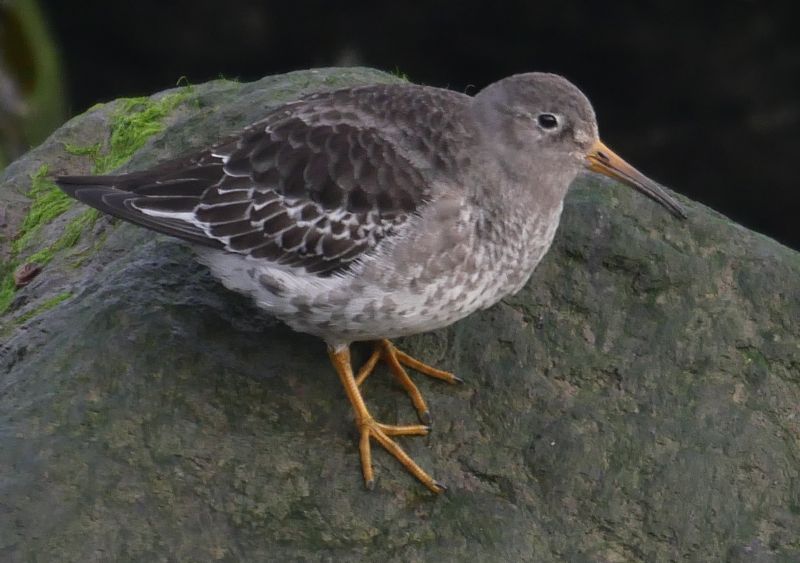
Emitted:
pixel 639 399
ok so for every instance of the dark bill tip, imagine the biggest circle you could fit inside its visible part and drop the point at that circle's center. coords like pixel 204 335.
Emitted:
pixel 604 161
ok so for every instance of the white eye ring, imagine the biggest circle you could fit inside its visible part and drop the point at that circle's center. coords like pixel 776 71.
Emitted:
pixel 547 121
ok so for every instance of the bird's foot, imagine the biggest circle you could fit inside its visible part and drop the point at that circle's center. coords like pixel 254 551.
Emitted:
pixel 396 359
pixel 372 429
pixel 382 433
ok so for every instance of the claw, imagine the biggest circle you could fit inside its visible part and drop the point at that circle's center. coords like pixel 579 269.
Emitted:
pixel 396 359
pixel 371 429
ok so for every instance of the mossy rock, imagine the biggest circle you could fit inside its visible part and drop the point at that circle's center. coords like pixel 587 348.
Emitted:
pixel 637 400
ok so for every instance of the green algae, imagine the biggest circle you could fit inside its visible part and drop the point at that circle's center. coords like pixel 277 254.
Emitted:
pixel 72 233
pixel 44 307
pixel 132 123
pixel 90 150
pixel 6 286
pixel 6 328
pixel 48 202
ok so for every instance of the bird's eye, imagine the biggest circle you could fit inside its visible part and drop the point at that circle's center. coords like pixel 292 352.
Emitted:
pixel 547 121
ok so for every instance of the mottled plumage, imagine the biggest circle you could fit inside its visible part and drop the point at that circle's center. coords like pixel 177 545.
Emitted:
pixel 378 211
pixel 313 185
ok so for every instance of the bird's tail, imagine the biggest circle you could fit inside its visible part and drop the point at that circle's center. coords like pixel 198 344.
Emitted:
pixel 117 196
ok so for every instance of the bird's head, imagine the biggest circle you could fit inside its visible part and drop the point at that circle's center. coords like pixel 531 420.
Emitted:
pixel 548 114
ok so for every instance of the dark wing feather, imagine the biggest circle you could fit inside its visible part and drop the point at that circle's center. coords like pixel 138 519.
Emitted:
pixel 315 184
pixel 99 192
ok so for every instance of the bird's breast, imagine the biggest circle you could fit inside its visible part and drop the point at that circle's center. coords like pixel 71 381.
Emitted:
pixel 513 249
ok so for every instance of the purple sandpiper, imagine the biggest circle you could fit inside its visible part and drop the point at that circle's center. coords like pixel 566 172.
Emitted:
pixel 378 211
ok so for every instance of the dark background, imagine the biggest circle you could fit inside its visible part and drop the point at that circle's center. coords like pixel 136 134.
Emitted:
pixel 701 96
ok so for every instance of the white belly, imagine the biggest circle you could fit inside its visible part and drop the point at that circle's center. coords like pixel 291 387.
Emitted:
pixel 373 301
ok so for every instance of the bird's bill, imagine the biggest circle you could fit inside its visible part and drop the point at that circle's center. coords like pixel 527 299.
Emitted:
pixel 603 160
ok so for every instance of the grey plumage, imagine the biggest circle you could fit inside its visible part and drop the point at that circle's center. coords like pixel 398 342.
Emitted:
pixel 378 211
pixel 373 211
pixel 313 185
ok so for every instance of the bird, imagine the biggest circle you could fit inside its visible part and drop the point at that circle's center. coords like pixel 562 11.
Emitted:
pixel 378 211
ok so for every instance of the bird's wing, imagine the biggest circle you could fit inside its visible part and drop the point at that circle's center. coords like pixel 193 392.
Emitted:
pixel 314 185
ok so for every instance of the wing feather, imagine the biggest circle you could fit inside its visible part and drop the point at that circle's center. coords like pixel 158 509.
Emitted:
pixel 314 185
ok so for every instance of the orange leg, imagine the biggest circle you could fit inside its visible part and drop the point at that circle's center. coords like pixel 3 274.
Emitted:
pixel 396 360
pixel 370 428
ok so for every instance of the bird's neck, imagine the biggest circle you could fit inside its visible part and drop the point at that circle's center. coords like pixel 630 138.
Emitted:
pixel 520 182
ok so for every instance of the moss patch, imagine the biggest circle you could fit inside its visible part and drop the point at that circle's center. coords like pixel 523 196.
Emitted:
pixel 91 150
pixel 46 306
pixel 72 232
pixel 137 120
pixel 33 313
pixel 6 286
pixel 48 202
pixel 132 123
